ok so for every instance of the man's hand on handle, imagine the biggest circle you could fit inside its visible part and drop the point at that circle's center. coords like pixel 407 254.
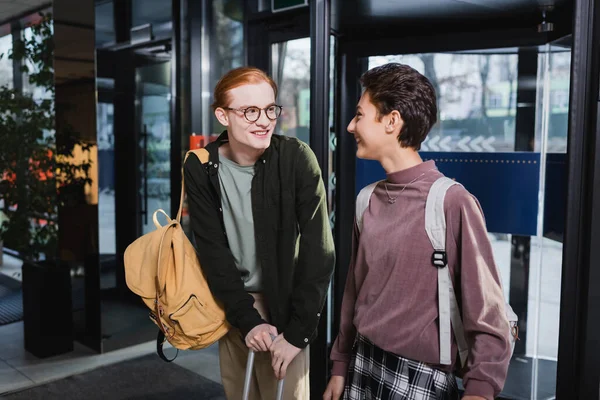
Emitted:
pixel 259 338
pixel 282 354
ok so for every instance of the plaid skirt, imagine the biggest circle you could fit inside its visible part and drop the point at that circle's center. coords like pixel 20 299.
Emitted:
pixel 375 374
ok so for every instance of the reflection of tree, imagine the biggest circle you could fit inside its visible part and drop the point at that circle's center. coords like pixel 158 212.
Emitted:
pixel 6 73
pixel 294 65
pixel 484 72
pixel 429 66
pixel 449 89
pixel 510 74
pixel 39 166
pixel 229 39
pixel 227 49
pixel 465 84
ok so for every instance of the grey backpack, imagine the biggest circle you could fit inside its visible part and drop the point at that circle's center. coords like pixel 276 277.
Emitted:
pixel 449 313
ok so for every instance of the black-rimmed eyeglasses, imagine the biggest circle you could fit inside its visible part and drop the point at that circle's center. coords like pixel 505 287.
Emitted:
pixel 252 114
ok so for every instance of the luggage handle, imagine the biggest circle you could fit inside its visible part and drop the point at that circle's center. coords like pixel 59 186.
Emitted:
pixel 248 377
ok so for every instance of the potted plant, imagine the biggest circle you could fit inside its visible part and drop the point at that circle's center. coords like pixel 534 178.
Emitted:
pixel 38 175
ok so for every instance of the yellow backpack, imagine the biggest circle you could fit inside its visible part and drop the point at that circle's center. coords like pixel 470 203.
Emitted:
pixel 162 268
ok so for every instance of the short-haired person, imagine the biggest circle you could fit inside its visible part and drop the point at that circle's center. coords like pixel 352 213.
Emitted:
pixel 258 212
pixel 388 342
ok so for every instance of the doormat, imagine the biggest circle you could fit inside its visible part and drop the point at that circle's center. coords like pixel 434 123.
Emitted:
pixel 147 378
pixel 11 300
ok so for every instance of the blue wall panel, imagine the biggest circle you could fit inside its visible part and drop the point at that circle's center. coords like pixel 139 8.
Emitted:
pixel 506 184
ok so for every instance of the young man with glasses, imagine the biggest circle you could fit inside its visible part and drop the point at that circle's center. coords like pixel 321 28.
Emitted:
pixel 258 211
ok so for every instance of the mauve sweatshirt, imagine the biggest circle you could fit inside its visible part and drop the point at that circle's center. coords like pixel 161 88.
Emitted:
pixel 391 288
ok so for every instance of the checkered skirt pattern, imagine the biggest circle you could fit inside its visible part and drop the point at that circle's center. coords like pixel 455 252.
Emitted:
pixel 375 374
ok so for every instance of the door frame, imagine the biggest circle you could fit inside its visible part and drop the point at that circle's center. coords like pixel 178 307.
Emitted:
pixel 579 349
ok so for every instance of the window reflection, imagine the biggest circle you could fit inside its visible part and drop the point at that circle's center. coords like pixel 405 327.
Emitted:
pixel 291 71
pixel 6 66
pixel 476 98
pixel 105 23
pixel 228 27
pixel 38 92
pixel 106 177
pixel 155 12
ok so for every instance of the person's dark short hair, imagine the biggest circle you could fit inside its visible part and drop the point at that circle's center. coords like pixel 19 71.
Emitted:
pixel 399 87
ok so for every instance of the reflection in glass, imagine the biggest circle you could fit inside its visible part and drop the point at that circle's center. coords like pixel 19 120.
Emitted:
pixel 105 23
pixel 106 177
pixel 291 72
pixel 6 65
pixel 155 12
pixel 560 80
pixel 227 23
pixel 477 95
pixel 39 92
pixel 154 116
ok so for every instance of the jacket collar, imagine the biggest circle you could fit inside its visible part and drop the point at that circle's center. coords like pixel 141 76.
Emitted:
pixel 213 148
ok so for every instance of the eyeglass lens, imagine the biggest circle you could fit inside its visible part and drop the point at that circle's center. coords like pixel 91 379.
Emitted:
pixel 253 113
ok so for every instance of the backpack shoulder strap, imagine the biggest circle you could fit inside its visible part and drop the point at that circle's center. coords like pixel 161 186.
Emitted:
pixel 435 218
pixel 202 155
pixel 362 202
pixel 449 313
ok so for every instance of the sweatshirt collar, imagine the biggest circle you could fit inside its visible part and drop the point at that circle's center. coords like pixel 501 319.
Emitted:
pixel 405 176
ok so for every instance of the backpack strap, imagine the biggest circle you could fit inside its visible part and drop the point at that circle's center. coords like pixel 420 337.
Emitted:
pixel 202 155
pixel 449 314
pixel 362 202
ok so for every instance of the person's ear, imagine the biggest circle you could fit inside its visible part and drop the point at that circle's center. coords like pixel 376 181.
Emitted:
pixel 222 116
pixel 393 123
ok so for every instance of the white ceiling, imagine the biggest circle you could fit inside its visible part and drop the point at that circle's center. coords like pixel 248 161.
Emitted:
pixel 13 8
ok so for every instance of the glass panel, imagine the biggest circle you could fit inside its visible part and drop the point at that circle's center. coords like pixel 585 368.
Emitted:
pixel 560 70
pixel 154 116
pixel 227 23
pixel 6 64
pixel 554 66
pixel 229 30
pixel 476 98
pixel 291 72
pixel 105 23
pixel 156 12
pixel 38 92
pixel 106 177
pixel 477 132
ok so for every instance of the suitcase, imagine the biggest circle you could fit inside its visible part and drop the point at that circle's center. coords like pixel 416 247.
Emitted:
pixel 248 378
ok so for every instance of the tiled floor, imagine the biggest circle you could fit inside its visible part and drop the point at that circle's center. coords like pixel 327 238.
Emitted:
pixel 19 369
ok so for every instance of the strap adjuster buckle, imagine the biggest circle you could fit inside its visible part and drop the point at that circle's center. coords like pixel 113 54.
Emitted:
pixel 439 259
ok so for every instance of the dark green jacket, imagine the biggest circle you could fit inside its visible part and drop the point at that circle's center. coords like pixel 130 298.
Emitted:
pixel 294 245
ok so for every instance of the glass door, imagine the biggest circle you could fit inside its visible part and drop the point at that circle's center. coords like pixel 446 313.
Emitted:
pixel 153 122
pixel 493 127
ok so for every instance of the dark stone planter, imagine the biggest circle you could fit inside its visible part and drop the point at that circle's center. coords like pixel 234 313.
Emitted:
pixel 47 309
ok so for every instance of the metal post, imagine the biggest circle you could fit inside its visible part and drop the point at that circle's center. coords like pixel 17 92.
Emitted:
pixel 319 140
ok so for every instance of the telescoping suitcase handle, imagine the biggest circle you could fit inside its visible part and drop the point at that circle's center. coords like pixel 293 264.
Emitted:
pixel 248 378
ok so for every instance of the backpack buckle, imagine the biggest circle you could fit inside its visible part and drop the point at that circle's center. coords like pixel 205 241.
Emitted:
pixel 439 259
